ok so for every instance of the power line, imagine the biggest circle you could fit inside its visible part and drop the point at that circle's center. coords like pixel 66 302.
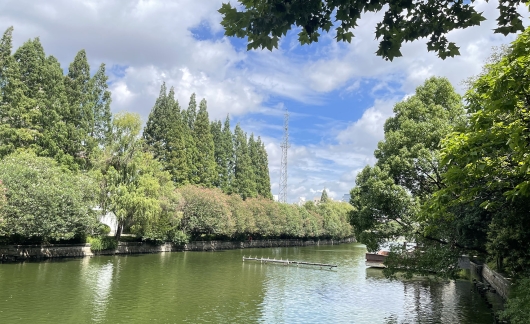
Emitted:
pixel 282 197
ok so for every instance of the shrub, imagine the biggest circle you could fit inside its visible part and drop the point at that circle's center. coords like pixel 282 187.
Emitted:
pixel 99 243
pixel 45 201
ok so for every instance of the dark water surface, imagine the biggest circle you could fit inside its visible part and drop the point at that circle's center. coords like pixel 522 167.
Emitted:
pixel 217 287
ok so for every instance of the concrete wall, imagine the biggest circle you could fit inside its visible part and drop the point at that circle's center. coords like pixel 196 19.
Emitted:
pixel 25 252
pixel 497 281
pixel 494 279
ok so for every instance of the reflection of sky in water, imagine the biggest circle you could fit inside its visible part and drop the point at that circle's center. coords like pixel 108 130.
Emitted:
pixel 354 294
pixel 98 278
pixel 205 287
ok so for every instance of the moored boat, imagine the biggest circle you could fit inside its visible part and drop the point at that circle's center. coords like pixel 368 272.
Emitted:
pixel 376 260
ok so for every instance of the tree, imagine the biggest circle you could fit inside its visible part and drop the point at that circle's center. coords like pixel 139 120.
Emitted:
pixel 263 182
pixel 89 118
pixel 227 144
pixel 45 201
pixel 216 128
pixel 166 134
pixel 324 197
pixel 191 112
pixel 264 22
pixel 204 159
pixel 133 185
pixel 487 161
pixel 244 183
pixel 390 198
pixel 43 83
pixel 18 113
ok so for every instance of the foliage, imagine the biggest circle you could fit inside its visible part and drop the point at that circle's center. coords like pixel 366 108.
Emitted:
pixel 44 200
pixel 488 162
pixel 264 22
pixel 204 159
pixel 133 185
pixel 517 306
pixel 208 211
pixel 167 137
pixel 99 243
pixel 205 211
pixel 389 199
pixel 324 197
pixel 244 182
pixel 63 117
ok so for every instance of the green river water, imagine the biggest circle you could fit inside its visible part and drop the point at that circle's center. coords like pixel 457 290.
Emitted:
pixel 217 287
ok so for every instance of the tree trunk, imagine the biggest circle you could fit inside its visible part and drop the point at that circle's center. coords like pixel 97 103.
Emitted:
pixel 119 229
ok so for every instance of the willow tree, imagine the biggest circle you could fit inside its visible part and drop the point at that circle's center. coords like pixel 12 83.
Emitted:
pixel 133 185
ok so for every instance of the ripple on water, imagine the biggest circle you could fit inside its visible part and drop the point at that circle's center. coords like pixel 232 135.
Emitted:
pixel 203 287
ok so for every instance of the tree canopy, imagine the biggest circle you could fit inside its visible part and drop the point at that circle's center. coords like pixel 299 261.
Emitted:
pixel 389 196
pixel 44 200
pixel 264 22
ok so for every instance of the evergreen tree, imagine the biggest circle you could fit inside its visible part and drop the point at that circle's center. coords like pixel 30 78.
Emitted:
pixel 89 119
pixel 165 136
pixel 98 115
pixel 216 128
pixel 18 113
pixel 191 113
pixel 77 87
pixel 254 159
pixel 263 181
pixel 324 198
pixel 228 164
pixel 244 183
pixel 204 159
pixel 179 157
pixel 55 132
pixel 42 78
pixel 157 126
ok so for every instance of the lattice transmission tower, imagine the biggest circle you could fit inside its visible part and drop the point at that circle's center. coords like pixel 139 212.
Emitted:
pixel 282 197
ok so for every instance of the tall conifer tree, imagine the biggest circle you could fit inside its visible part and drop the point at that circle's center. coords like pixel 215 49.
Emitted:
pixel 244 183
pixel 263 181
pixel 157 126
pixel 227 143
pixel 204 159
pixel 18 113
pixel 179 158
pixel 216 128
pixel 77 87
pixel 191 113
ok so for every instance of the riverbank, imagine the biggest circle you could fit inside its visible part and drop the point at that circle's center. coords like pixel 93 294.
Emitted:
pixel 15 253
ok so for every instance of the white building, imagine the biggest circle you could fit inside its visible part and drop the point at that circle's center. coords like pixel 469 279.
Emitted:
pixel 301 201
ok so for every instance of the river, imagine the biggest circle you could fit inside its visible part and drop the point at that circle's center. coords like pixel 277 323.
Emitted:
pixel 217 287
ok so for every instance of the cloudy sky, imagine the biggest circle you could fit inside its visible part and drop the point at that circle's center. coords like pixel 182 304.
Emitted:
pixel 338 95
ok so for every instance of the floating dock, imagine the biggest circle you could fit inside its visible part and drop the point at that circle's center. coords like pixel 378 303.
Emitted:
pixel 288 262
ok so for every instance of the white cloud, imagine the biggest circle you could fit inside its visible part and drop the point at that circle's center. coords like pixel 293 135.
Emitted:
pixel 155 42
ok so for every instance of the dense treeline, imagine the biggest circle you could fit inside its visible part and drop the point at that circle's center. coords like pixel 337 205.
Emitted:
pixel 196 151
pixel 66 161
pixel 455 178
pixel 210 211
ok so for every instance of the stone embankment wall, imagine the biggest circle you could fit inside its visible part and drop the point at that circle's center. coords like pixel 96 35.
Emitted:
pixel 494 279
pixel 26 252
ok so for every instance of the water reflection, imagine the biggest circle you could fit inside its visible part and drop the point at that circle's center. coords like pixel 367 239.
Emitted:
pixel 201 287
pixel 98 279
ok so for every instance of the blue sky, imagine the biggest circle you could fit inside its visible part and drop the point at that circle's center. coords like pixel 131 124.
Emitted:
pixel 338 95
